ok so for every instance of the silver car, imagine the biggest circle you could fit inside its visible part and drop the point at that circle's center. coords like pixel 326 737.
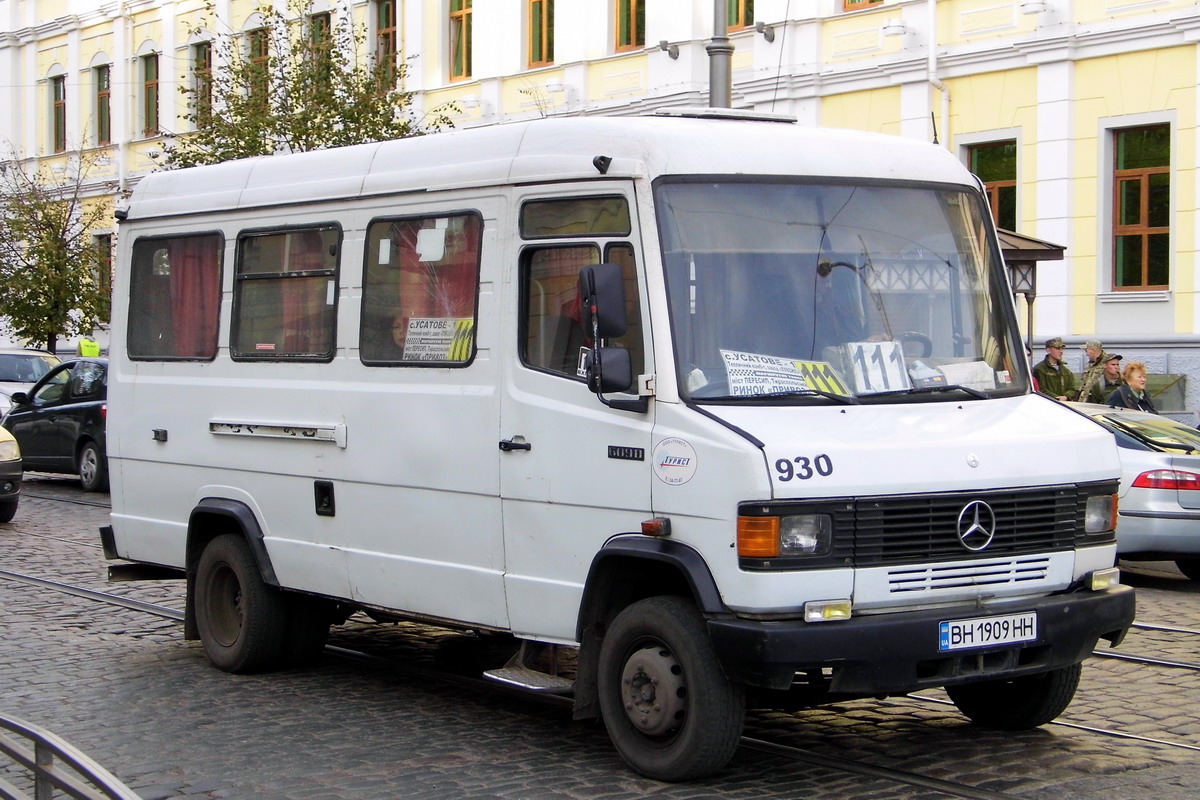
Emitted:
pixel 1159 505
pixel 20 370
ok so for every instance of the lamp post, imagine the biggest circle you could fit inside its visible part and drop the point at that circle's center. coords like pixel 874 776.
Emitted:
pixel 1022 275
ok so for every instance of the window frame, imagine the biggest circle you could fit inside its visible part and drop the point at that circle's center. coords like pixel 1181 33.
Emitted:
pixel 369 311
pixel 540 33
pixel 258 62
pixel 102 76
pixel 102 244
pixel 740 15
pixel 202 83
pixel 387 33
pixel 993 188
pixel 460 40
pixel 58 113
pixel 242 279
pixel 150 97
pixel 1143 229
pixel 139 293
pixel 629 16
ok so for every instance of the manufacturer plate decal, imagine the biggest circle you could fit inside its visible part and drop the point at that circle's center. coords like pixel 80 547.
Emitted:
pixel 626 453
pixel 674 462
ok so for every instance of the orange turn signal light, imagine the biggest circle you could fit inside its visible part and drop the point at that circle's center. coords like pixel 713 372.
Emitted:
pixel 758 537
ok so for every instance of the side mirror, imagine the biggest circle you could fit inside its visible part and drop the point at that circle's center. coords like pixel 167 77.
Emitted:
pixel 615 373
pixel 602 292
pixel 19 398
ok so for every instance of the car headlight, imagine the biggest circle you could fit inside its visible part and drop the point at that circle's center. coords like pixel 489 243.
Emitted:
pixel 9 450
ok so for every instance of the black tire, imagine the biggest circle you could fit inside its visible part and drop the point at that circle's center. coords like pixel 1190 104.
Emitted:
pixel 93 471
pixel 1018 704
pixel 308 621
pixel 1188 566
pixel 242 621
pixel 8 510
pixel 687 732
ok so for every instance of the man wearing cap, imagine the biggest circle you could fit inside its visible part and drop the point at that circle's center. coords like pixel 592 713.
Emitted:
pixel 1108 382
pixel 1055 379
pixel 1093 369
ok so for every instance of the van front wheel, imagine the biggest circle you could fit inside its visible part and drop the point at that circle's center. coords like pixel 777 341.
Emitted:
pixel 1018 704
pixel 242 620
pixel 668 707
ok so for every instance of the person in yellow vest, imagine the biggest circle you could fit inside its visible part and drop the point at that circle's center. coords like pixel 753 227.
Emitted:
pixel 89 347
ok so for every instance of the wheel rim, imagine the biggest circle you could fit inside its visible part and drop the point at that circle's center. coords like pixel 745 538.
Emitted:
pixel 224 607
pixel 653 691
pixel 88 465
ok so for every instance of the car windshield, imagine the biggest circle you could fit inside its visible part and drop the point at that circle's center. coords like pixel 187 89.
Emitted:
pixel 1160 433
pixel 25 367
pixel 796 292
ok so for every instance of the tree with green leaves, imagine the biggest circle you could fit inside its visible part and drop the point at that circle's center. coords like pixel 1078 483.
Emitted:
pixel 299 81
pixel 48 259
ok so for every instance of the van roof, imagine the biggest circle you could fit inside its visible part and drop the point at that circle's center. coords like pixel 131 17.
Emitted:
pixel 553 149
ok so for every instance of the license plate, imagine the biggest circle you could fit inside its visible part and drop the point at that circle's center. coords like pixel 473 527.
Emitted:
pixel 963 634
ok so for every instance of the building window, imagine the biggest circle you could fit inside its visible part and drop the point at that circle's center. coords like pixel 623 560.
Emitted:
pixel 58 111
pixel 174 298
pixel 996 165
pixel 631 25
pixel 320 45
pixel 541 33
pixel 103 77
pixel 1142 207
pixel 385 41
pixel 855 5
pixel 460 39
pixel 150 95
pixel 202 83
pixel 258 49
pixel 741 14
pixel 285 295
pixel 102 246
pixel 421 290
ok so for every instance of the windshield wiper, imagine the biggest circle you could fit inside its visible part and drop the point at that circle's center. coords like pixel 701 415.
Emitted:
pixel 845 399
pixel 948 387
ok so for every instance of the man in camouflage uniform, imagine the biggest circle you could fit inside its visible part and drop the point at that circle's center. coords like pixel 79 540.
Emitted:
pixel 1108 382
pixel 1093 371
pixel 1055 379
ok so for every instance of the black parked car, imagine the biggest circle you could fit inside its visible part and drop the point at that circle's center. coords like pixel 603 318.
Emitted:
pixel 59 423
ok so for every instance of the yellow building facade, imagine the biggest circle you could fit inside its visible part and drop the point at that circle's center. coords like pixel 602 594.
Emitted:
pixel 1079 115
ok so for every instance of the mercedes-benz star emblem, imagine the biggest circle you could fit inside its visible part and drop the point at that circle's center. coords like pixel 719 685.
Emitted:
pixel 976 525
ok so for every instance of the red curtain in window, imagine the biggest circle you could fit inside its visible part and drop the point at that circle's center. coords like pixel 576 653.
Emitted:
pixel 443 289
pixel 195 294
pixel 305 329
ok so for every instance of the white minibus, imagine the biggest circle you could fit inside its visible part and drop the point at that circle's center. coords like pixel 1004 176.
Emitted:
pixel 734 410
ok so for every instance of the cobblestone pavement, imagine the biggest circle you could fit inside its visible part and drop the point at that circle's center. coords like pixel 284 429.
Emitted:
pixel 126 689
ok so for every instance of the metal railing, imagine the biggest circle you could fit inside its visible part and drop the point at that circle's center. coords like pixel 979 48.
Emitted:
pixel 54 765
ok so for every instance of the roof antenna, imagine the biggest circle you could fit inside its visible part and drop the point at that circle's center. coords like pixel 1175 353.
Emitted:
pixel 933 122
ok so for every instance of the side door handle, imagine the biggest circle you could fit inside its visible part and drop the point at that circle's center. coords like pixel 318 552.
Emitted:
pixel 508 445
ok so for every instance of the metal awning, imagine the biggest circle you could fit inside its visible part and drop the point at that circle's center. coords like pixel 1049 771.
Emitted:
pixel 1020 249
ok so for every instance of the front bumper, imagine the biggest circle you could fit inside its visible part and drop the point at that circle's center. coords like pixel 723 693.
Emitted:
pixel 10 479
pixel 898 653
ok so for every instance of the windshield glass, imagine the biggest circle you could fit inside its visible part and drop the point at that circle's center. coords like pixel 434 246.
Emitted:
pixel 1161 433
pixel 854 291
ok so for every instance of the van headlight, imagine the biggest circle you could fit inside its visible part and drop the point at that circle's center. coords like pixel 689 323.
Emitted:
pixel 1100 514
pixel 787 536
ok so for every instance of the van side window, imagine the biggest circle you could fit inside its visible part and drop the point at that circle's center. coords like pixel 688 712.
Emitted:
pixel 285 294
pixel 552 336
pixel 175 297
pixel 575 216
pixel 420 291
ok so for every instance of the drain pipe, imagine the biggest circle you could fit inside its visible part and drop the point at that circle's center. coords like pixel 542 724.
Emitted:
pixel 720 59
pixel 931 69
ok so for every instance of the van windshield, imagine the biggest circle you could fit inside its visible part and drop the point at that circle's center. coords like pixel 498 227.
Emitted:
pixel 846 292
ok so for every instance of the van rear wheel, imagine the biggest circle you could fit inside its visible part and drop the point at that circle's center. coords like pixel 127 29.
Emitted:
pixel 1018 704
pixel 242 621
pixel 668 707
